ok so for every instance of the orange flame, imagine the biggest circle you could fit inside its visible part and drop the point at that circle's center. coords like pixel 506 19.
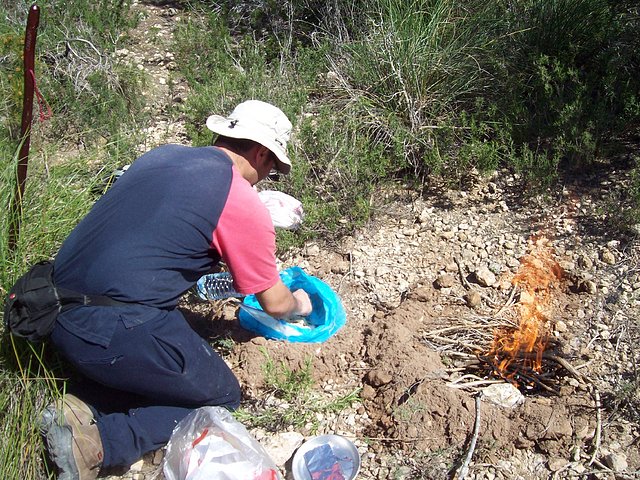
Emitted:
pixel 537 275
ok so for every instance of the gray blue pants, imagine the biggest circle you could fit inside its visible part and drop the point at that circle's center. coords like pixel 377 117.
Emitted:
pixel 148 379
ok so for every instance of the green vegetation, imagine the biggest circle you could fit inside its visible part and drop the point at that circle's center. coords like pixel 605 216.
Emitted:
pixel 95 102
pixel 296 404
pixel 379 91
pixel 395 90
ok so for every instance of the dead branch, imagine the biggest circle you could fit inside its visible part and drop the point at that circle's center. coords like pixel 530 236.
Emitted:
pixel 463 279
pixel 454 342
pixel 508 303
pixel 459 327
pixel 598 435
pixel 464 469
pixel 567 366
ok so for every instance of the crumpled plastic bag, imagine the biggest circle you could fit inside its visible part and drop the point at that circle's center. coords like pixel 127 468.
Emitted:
pixel 209 444
pixel 327 317
pixel 286 212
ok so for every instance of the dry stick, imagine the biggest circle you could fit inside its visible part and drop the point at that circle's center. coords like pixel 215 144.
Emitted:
pixel 453 342
pixel 508 303
pixel 464 469
pixel 457 327
pixel 566 365
pixel 596 443
pixel 25 131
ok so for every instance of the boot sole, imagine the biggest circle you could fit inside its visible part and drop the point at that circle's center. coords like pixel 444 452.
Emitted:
pixel 59 439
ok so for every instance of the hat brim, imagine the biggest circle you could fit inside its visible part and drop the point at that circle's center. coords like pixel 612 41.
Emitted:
pixel 222 126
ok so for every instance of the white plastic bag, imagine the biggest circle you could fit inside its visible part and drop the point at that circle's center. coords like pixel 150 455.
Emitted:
pixel 209 444
pixel 286 212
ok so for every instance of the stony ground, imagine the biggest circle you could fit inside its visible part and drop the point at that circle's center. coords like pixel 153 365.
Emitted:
pixel 425 285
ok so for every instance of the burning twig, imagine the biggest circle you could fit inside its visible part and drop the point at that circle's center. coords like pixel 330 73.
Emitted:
pixel 464 469
pixel 540 383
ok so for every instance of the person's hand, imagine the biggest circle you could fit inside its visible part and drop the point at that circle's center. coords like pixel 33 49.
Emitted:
pixel 303 303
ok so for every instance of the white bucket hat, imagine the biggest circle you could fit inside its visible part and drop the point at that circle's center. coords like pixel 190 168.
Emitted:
pixel 260 122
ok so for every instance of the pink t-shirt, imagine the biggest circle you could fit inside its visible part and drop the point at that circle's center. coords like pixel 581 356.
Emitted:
pixel 246 238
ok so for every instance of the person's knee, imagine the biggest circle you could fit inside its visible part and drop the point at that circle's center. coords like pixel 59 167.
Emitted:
pixel 233 396
pixel 224 391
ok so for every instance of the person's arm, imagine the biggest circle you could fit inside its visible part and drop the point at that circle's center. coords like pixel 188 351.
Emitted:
pixel 279 302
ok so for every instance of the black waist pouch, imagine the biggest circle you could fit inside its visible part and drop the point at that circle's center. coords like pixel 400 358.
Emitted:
pixel 34 302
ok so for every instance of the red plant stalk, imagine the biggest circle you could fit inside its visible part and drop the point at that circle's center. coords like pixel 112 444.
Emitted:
pixel 27 115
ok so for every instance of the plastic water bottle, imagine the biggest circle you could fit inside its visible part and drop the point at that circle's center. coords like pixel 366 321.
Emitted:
pixel 216 286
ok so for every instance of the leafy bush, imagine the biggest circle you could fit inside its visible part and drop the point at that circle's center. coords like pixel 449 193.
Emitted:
pixel 91 95
pixel 566 84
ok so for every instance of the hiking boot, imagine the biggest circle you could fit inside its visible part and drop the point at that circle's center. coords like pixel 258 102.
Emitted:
pixel 73 439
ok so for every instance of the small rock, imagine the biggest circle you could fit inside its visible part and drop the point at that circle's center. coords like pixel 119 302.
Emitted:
pixel 313 250
pixel 616 462
pixel 377 378
pixel 451 267
pixel 485 277
pixel 158 456
pixel 368 392
pixel 585 262
pixel 513 262
pixel 473 299
pixel 422 294
pixel 382 270
pixel 340 267
pixel 560 428
pixel 526 298
pixel 586 286
pixel 561 327
pixel 607 256
pixel 137 467
pixel 445 281
pixel 556 464
pixel 584 432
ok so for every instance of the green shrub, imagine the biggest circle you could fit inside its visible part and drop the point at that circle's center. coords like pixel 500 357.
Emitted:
pixel 566 82
pixel 410 69
pixel 90 94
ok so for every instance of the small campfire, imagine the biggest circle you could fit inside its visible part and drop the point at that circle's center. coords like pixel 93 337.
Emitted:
pixel 512 345
pixel 515 344
pixel 516 353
